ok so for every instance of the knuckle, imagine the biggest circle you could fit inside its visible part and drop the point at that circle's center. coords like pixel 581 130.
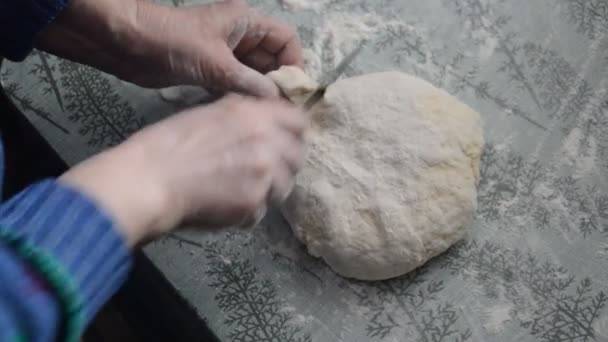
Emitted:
pixel 237 105
pixel 223 74
pixel 231 101
pixel 262 161
pixel 258 128
pixel 264 131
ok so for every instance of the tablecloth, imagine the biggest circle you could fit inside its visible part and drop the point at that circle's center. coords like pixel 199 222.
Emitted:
pixel 533 267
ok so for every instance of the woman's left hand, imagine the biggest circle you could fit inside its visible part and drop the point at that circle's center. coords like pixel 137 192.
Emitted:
pixel 223 46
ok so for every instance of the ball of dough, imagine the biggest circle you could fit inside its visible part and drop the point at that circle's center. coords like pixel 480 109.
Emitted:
pixel 391 173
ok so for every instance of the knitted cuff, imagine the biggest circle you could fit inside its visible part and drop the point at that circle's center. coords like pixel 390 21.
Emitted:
pixel 71 243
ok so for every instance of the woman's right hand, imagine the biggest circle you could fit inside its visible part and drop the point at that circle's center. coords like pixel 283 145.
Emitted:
pixel 214 166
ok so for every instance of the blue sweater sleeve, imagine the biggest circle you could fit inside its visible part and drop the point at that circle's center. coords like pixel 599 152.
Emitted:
pixel 21 21
pixel 61 259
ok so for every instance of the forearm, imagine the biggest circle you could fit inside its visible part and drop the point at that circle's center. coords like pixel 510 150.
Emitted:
pixel 95 33
pixel 121 181
pixel 114 36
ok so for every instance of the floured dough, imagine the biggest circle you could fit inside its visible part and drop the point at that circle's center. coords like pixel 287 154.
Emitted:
pixel 391 173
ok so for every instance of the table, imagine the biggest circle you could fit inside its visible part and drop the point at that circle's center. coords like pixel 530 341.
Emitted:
pixel 533 267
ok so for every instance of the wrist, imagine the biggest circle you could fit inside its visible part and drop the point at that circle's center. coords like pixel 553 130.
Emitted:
pixel 118 37
pixel 95 33
pixel 123 186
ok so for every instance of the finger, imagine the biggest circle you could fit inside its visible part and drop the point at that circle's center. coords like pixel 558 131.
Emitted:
pixel 252 82
pixel 260 60
pixel 291 152
pixel 240 18
pixel 282 181
pixel 292 54
pixel 251 40
pixel 281 186
pixel 281 41
pixel 240 27
pixel 232 75
pixel 291 118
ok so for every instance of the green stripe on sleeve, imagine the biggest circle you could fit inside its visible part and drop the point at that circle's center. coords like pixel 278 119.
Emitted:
pixel 59 281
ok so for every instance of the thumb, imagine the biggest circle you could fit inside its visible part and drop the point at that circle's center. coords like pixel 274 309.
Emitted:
pixel 232 75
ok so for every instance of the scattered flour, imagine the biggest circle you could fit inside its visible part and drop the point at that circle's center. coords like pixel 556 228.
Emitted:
pixel 497 317
pixel 603 250
pixel 600 327
pixel 487 49
pixel 340 33
pixel 304 5
pixel 571 145
pixel 225 260
pixel 582 157
pixel 302 320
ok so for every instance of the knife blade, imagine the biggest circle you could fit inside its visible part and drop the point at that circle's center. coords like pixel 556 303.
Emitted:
pixel 333 77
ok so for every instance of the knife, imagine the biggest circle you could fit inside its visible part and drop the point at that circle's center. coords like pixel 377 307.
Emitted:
pixel 333 77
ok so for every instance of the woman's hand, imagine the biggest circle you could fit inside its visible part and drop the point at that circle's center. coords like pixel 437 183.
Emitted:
pixel 223 46
pixel 215 166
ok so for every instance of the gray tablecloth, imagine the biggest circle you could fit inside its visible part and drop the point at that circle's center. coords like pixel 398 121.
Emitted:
pixel 534 265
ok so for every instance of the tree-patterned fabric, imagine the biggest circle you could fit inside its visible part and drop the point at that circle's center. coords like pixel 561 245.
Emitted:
pixel 533 267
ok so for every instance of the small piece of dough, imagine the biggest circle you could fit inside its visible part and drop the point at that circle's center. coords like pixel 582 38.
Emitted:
pixel 294 83
pixel 391 174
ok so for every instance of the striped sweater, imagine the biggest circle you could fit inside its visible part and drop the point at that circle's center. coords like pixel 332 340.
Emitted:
pixel 61 257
